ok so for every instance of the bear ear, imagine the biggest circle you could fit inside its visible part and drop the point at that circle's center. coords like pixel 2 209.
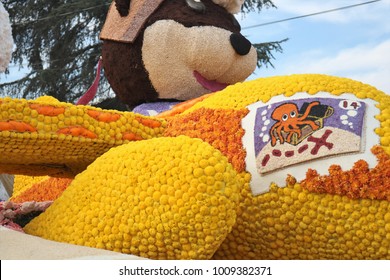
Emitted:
pixel 122 7
pixel 125 19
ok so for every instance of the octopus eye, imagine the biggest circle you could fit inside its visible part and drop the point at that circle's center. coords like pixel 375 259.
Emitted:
pixel 196 5
pixel 284 117
pixel 293 114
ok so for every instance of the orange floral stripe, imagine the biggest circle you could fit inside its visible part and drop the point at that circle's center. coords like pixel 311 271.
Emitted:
pixel 47 110
pixel 104 116
pixel 219 127
pixel 16 126
pixel 181 107
pixel 131 136
pixel 359 182
pixel 46 190
pixel 77 131
pixel 149 122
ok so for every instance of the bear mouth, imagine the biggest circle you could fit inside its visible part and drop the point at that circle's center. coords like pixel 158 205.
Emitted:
pixel 211 85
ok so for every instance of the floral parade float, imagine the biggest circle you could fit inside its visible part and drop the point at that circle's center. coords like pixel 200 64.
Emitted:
pixel 181 186
pixel 288 167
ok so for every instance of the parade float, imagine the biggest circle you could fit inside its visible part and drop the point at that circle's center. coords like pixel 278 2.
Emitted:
pixel 287 167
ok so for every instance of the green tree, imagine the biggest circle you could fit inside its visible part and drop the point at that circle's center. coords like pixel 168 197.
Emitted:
pixel 58 42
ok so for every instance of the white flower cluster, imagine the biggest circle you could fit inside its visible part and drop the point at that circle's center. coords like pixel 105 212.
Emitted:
pixel 6 41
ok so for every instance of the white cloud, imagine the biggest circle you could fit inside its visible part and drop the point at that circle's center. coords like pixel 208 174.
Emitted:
pixel 374 11
pixel 367 63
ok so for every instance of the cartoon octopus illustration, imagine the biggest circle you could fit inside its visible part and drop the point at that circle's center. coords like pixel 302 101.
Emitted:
pixel 287 120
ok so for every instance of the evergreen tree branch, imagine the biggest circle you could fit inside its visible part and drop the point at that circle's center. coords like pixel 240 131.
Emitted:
pixel 256 5
pixel 265 52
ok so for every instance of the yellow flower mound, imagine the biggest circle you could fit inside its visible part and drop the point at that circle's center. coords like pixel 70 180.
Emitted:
pixel 292 223
pixel 240 95
pixel 165 198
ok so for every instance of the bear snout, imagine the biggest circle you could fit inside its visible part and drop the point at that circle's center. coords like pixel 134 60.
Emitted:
pixel 240 44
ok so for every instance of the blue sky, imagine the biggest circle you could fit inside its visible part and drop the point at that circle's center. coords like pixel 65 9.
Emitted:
pixel 352 43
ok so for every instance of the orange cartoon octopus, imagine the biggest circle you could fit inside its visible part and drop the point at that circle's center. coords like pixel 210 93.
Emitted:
pixel 287 120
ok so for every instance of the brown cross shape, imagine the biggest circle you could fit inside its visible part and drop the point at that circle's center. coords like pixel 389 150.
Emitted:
pixel 319 142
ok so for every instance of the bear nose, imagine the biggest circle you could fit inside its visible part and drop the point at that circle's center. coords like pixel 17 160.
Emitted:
pixel 240 44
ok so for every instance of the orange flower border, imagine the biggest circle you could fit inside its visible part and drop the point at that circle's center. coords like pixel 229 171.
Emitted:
pixel 359 182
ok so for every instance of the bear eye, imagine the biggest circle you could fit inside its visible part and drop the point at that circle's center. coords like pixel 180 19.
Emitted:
pixel 285 117
pixel 293 114
pixel 196 5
